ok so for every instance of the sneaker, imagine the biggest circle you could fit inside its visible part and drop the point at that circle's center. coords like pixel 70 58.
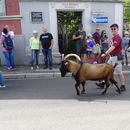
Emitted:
pixel 31 68
pixel 2 86
pixel 37 67
pixel 123 88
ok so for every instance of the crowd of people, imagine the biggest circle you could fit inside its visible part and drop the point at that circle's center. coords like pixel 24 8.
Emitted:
pixel 99 48
pixel 36 42
pixel 93 48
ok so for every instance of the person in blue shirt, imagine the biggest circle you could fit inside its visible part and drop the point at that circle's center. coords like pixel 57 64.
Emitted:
pixel 125 42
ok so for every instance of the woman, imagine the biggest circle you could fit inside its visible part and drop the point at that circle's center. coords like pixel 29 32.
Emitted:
pixel 35 49
pixel 7 44
pixel 104 41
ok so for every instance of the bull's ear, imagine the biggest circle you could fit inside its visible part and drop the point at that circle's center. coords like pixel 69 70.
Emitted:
pixel 66 63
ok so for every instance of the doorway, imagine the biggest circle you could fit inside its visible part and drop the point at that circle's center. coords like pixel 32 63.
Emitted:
pixel 67 22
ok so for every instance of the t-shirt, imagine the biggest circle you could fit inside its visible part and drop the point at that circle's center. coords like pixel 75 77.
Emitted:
pixel 34 43
pixel 81 41
pixel 46 40
pixel 97 37
pixel 117 42
pixel 125 42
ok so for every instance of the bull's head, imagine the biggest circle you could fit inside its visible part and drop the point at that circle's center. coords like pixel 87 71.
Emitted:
pixel 64 68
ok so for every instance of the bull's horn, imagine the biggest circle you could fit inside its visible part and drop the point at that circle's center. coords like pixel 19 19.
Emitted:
pixel 72 55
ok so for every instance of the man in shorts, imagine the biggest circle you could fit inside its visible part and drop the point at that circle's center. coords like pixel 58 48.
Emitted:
pixel 115 52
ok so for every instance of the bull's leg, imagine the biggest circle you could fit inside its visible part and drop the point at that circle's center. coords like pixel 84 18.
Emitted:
pixel 83 88
pixel 116 84
pixel 77 88
pixel 107 85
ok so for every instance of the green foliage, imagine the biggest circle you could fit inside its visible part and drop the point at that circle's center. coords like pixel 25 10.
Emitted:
pixel 127 10
pixel 69 21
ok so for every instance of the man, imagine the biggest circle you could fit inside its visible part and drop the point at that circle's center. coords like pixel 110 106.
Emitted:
pixel 115 52
pixel 46 41
pixel 7 49
pixel 11 33
pixel 80 39
pixel 96 36
pixel 97 46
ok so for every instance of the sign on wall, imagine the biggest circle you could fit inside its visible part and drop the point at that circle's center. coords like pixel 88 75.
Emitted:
pixel 2 7
pixel 36 17
pixel 99 20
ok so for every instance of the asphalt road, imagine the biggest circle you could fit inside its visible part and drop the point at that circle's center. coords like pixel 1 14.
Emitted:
pixel 52 104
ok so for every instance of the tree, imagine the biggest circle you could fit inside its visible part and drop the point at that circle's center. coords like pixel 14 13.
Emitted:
pixel 127 10
pixel 67 24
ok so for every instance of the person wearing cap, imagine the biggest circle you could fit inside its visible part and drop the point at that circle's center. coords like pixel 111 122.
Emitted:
pixel 115 52
pixel 35 49
pixel 80 38
pixel 125 42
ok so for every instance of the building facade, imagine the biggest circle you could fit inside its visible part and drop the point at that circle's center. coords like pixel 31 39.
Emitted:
pixel 24 16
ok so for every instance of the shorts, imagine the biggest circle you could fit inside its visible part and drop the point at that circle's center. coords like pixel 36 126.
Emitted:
pixel 112 61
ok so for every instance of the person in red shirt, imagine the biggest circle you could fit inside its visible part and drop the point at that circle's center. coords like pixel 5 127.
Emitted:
pixel 115 52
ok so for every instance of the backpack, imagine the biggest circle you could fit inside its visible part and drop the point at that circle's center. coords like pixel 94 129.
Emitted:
pixel 8 43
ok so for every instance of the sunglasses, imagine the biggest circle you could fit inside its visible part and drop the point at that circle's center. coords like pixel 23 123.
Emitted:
pixel 113 28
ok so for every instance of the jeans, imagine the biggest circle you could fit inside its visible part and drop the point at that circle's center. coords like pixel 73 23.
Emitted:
pixel 35 55
pixel 9 58
pixel 47 57
pixel 2 80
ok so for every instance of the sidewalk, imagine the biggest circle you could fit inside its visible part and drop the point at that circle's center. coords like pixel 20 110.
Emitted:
pixel 25 72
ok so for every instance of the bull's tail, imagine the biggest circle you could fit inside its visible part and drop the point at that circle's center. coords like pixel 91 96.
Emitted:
pixel 115 65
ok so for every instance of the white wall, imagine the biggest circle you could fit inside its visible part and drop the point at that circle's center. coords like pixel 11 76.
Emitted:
pixel 114 12
pixel 119 17
pixel 27 26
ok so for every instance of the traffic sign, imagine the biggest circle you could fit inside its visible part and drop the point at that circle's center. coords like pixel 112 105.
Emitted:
pixel 99 20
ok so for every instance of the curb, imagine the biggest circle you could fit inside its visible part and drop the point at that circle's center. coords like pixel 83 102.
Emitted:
pixel 34 75
pixel 44 75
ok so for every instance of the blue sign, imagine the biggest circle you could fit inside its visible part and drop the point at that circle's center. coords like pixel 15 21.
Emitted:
pixel 100 20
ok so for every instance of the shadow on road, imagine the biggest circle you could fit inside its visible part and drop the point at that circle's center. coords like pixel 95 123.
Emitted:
pixel 57 89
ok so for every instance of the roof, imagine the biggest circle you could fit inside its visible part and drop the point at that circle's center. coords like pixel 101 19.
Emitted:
pixel 111 1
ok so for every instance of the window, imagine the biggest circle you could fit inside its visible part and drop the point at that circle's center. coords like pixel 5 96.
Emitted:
pixel 2 7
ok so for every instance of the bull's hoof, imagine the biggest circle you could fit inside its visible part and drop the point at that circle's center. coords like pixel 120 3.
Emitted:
pixel 83 92
pixel 119 91
pixel 103 93
pixel 78 93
